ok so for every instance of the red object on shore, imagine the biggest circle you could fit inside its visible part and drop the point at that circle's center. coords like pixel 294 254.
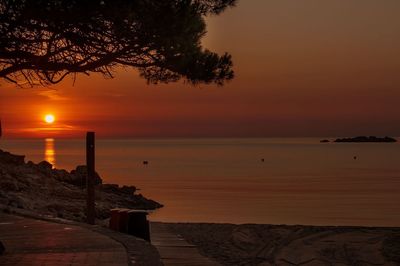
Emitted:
pixel 114 220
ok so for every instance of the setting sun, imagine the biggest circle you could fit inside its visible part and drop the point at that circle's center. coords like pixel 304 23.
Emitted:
pixel 49 118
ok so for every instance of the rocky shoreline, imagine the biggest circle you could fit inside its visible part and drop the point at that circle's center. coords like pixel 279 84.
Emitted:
pixel 59 193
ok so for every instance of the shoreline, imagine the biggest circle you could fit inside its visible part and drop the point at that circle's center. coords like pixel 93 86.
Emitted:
pixel 54 193
pixel 298 183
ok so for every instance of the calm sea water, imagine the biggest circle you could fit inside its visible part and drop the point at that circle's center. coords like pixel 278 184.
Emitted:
pixel 225 180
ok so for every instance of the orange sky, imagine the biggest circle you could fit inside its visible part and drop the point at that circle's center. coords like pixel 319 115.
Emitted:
pixel 303 68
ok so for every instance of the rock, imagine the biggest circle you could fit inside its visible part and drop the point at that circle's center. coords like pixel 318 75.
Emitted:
pixel 324 141
pixel 44 165
pixel 114 188
pixel 8 158
pixel 16 203
pixel 62 175
pixel 128 190
pixel 54 207
pixel 8 185
pixel 79 175
pixel 110 188
pixel 367 139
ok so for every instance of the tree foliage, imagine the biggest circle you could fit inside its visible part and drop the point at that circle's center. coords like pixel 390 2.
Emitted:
pixel 45 41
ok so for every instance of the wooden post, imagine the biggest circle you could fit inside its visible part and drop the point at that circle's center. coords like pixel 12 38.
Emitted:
pixel 91 212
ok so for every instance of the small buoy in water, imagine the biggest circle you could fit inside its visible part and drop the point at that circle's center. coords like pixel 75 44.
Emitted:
pixel 145 162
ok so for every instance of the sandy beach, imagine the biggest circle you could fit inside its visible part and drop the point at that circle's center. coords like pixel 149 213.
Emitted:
pixel 253 244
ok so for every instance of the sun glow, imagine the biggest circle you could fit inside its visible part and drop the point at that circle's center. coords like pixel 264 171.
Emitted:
pixel 49 118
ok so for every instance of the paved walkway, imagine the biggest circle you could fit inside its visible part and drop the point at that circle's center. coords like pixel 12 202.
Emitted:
pixel 174 250
pixel 34 242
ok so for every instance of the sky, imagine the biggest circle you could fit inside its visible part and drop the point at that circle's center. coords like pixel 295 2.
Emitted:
pixel 303 69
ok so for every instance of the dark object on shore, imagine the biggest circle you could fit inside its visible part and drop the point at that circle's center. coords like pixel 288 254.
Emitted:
pixel 262 160
pixel 145 162
pixel 355 157
pixel 2 248
pixel 78 177
pixel 132 222
pixel 366 139
pixel 116 189
pixel 324 141
pixel 90 178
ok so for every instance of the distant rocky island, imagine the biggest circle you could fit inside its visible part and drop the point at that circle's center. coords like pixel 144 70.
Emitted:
pixel 366 139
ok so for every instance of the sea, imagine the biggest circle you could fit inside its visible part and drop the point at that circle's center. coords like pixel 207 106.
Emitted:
pixel 262 181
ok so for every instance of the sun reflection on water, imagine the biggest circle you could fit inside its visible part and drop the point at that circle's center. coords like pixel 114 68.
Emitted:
pixel 50 152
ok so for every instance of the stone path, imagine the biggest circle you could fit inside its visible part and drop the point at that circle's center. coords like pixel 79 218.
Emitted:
pixel 174 250
pixel 35 242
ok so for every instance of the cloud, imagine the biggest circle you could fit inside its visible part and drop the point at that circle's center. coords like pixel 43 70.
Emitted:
pixel 52 94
